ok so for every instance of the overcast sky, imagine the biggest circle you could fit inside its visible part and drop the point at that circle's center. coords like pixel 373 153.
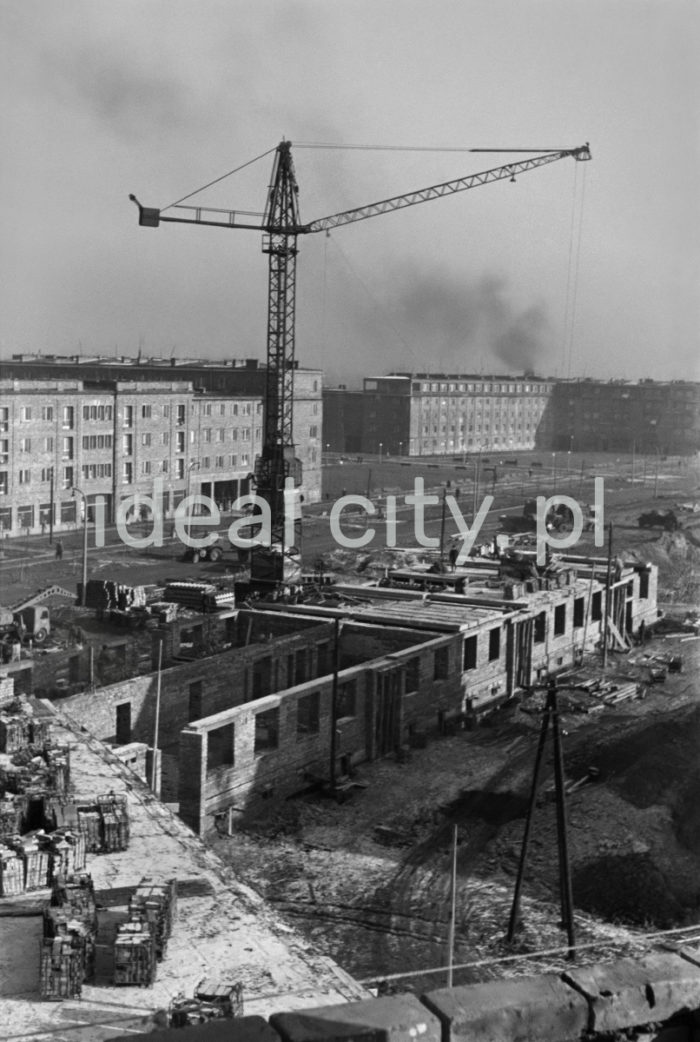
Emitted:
pixel 589 268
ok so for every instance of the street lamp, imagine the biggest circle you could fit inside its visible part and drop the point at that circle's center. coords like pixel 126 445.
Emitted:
pixel 381 445
pixel 75 490
pixel 400 448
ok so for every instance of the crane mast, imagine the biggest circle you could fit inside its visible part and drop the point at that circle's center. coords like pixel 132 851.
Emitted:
pixel 277 462
pixel 281 225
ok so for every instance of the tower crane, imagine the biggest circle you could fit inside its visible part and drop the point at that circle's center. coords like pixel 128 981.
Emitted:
pixel 281 226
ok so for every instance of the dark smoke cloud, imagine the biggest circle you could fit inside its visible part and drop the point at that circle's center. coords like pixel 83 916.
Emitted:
pixel 454 324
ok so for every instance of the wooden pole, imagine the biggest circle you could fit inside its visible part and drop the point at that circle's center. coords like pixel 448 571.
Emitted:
pixel 334 703
pixel 606 620
pixel 155 730
pixel 453 911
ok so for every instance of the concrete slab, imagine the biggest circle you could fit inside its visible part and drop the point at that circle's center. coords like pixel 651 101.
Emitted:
pixel 393 1018
pixel 637 991
pixel 525 1009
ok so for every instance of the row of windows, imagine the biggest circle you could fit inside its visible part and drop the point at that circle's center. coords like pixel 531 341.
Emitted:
pixel 93 471
pixel 470 388
pixel 29 413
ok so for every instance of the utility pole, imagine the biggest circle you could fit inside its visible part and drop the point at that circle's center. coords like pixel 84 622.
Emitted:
pixel 442 527
pixel 51 510
pixel 154 765
pixel 606 617
pixel 334 703
pixel 453 911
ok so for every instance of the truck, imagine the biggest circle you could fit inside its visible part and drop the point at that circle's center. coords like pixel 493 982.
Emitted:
pixel 30 623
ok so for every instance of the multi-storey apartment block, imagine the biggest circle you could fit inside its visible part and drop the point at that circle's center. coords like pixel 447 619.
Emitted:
pixel 114 442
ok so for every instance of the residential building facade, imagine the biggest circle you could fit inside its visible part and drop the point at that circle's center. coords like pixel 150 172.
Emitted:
pixel 113 442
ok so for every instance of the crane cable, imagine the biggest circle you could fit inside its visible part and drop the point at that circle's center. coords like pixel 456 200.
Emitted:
pixel 418 148
pixel 223 177
pixel 377 304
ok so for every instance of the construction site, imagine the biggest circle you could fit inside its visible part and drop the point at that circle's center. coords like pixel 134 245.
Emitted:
pixel 312 777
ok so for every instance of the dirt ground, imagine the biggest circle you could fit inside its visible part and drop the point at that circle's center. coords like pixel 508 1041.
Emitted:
pixel 369 881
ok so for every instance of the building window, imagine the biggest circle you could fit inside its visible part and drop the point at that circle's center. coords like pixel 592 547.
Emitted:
pixel 494 644
pixel 47 412
pixel 128 473
pixel 345 705
pixel 220 461
pixel 441 664
pixel 146 467
pixel 146 440
pixel 67 477
pixel 597 606
pixel 220 744
pixel 540 627
pixel 25 444
pixel 412 675
pixel 578 611
pixel 180 447
pixel 4 418
pixel 24 477
pixel 123 723
pixel 179 468
pixel 221 434
pixel 67 448
pixel 181 414
pixel 470 649
pixel 313 432
pixel 643 585
pixel 127 444
pixel 25 413
pixel 266 731
pixel 308 714
pixel 146 412
pixel 128 416
pixel 559 620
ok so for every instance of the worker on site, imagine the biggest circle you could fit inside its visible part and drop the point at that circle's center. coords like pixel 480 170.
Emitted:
pixel 59 550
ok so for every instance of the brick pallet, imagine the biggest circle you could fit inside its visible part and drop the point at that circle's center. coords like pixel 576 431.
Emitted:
pixel 155 903
pixel 14 733
pixel 90 821
pixel 36 858
pixel 11 815
pixel 115 821
pixel 62 969
pixel 134 955
pixel 11 872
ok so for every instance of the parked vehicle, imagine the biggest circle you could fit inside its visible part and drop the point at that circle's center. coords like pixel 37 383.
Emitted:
pixel 32 623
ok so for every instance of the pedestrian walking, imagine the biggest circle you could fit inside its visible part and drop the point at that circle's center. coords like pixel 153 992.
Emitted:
pixel 59 550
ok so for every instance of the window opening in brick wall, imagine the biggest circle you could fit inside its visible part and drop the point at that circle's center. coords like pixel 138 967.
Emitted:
pixel 470 649
pixel 559 620
pixel 345 704
pixel 123 723
pixel 308 713
pixel 441 663
pixel 494 644
pixel 540 627
pixel 412 675
pixel 578 611
pixel 194 711
pixel 267 730
pixel 220 747
pixel 597 606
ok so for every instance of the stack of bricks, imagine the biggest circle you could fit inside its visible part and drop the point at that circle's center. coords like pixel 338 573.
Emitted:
pixel 135 954
pixel 11 815
pixel 155 903
pixel 115 822
pixel 68 945
pixel 11 872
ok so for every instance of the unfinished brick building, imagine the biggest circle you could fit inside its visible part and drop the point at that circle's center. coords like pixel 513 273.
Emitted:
pixel 260 703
